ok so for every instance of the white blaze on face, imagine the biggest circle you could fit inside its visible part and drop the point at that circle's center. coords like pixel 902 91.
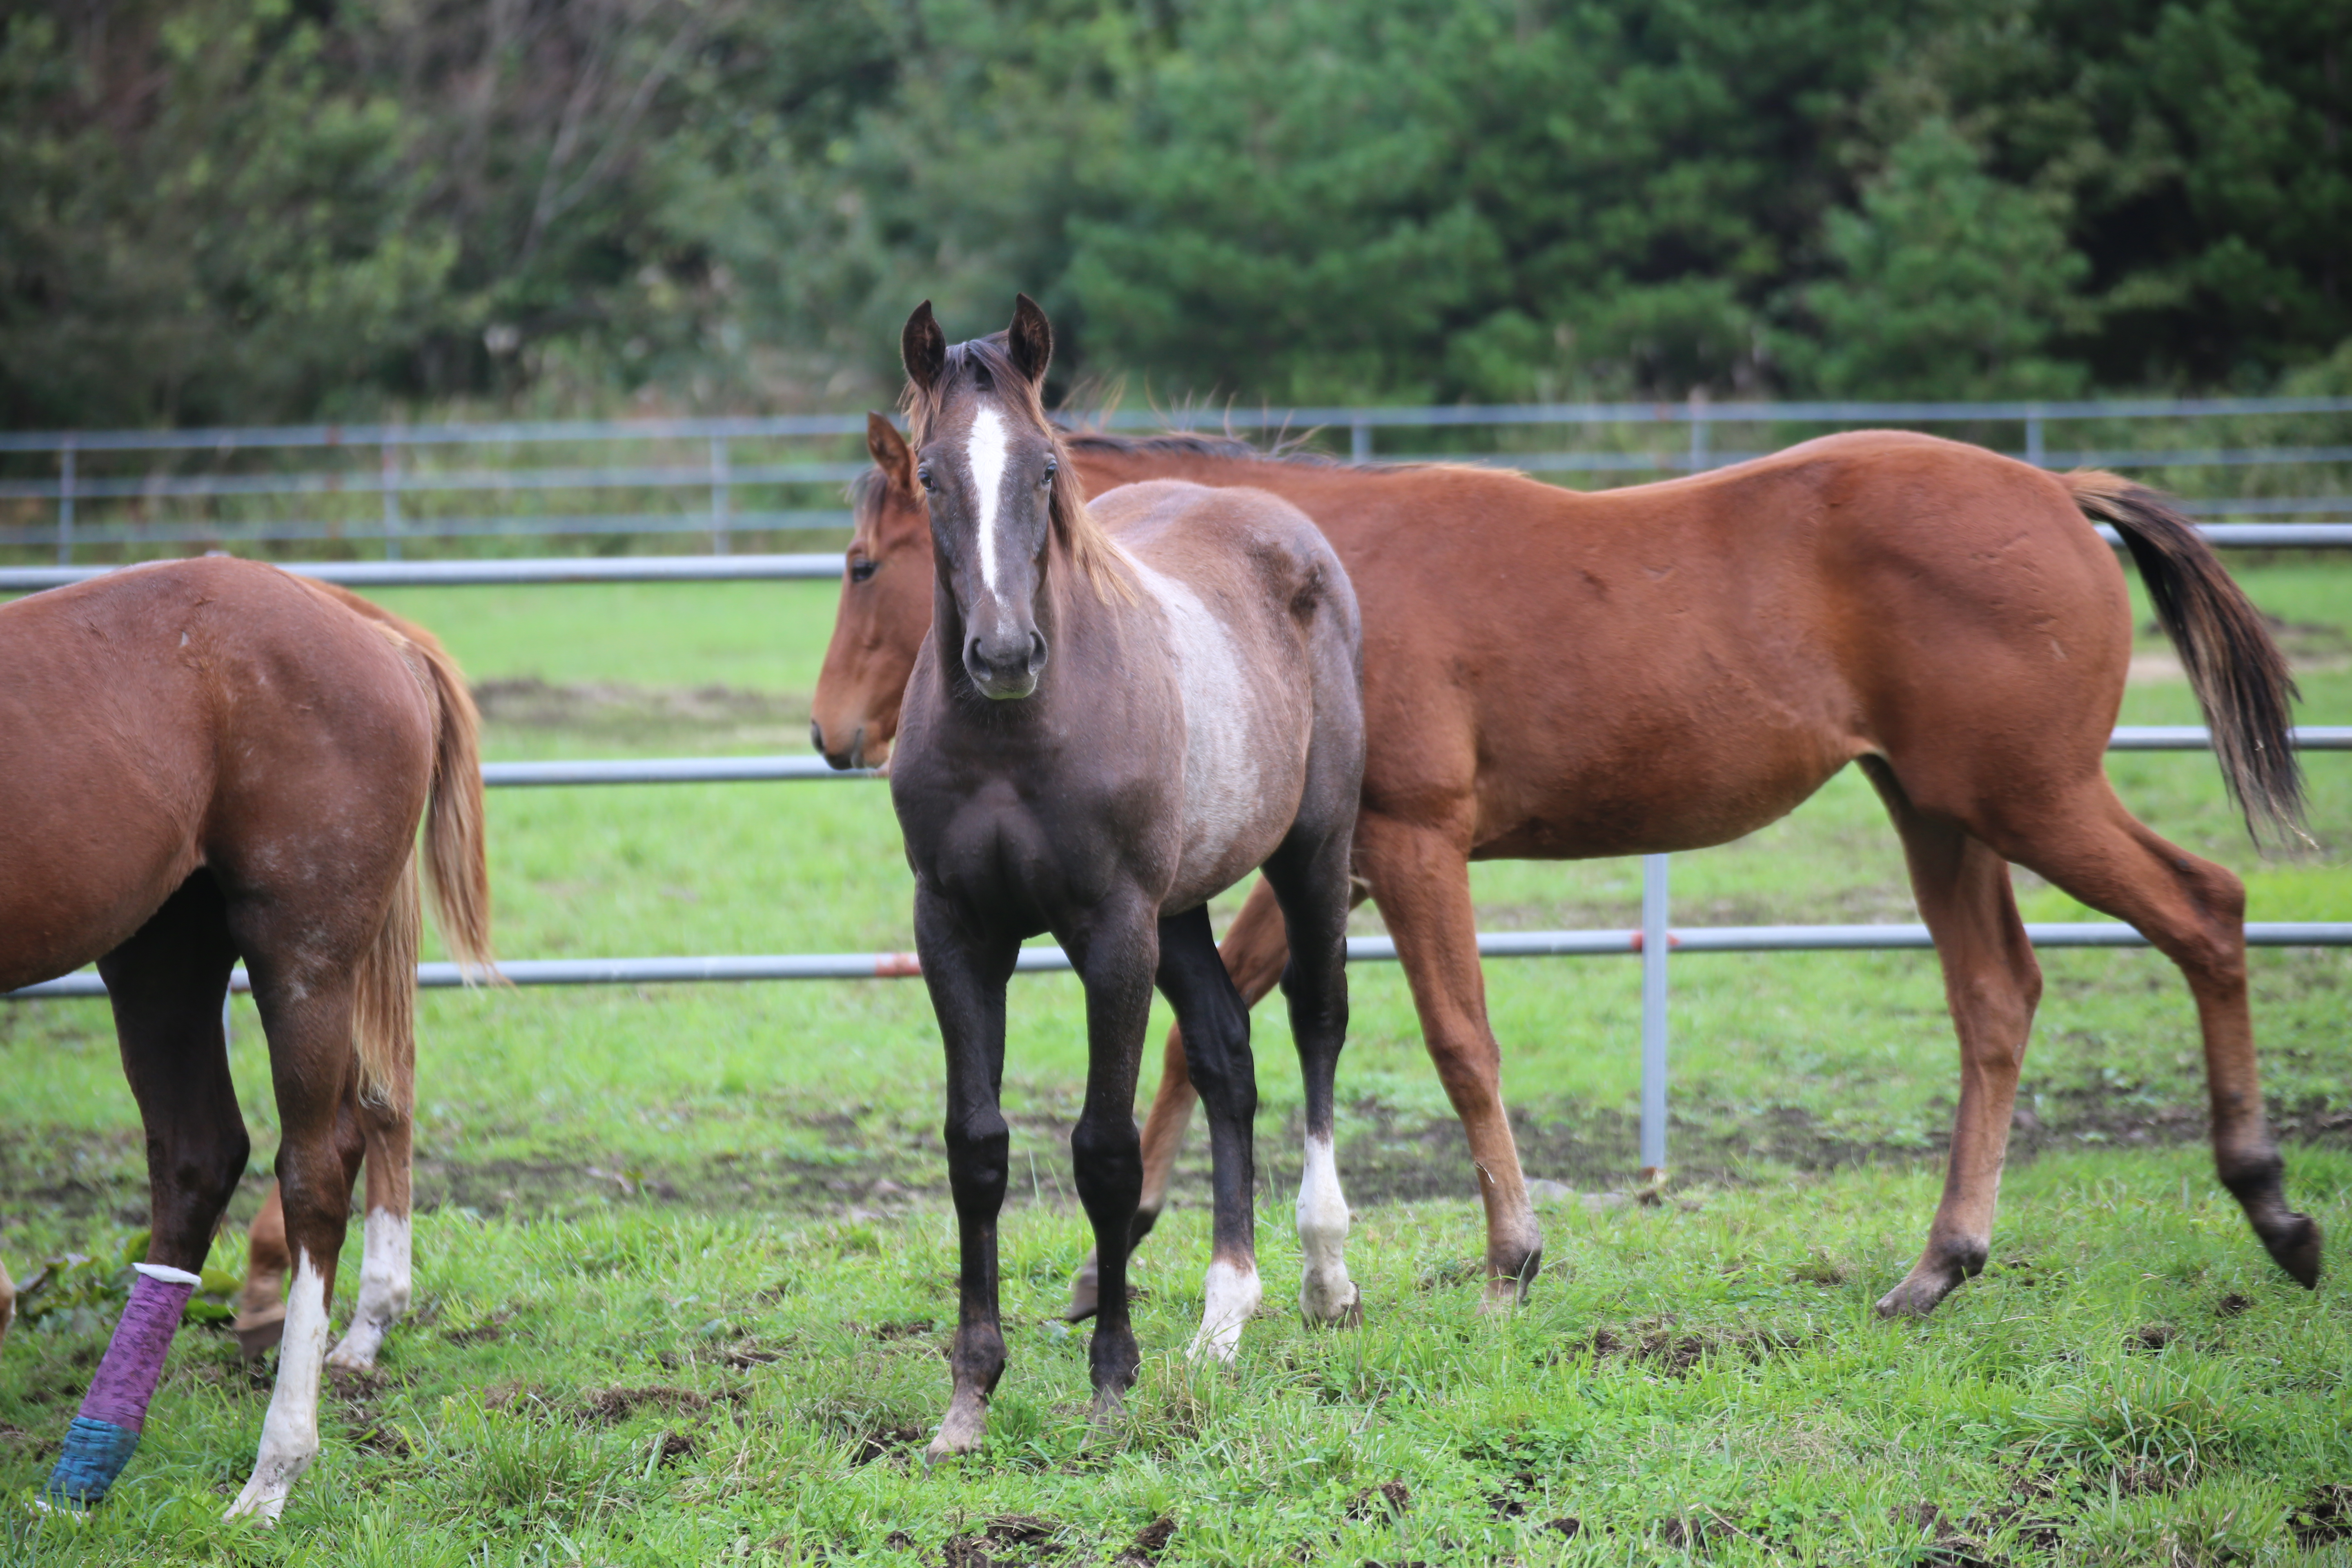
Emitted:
pixel 1221 794
pixel 1233 1293
pixel 290 1432
pixel 985 455
pixel 384 1291
pixel 1326 1292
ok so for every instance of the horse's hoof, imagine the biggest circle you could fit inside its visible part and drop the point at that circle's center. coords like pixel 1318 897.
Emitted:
pixel 258 1333
pixel 1107 1417
pixel 2296 1250
pixel 1916 1297
pixel 1319 1314
pixel 1084 1296
pixel 961 1430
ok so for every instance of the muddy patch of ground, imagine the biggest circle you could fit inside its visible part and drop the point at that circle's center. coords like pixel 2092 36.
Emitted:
pixel 1387 1159
pixel 611 709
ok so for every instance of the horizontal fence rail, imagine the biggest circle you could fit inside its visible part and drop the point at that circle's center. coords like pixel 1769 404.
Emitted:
pixel 1603 944
pixel 824 567
pixel 387 478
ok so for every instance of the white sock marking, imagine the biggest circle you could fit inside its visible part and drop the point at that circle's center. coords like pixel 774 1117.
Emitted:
pixel 986 456
pixel 290 1432
pixel 384 1291
pixel 1233 1293
pixel 1325 1291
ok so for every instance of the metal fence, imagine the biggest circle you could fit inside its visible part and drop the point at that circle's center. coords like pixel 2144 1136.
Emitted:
pixel 388 488
pixel 1653 942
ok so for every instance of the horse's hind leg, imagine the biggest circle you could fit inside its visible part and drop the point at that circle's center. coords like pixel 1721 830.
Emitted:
pixel 1992 983
pixel 165 985
pixel 2192 911
pixel 1254 951
pixel 261 1306
pixel 385 1259
pixel 306 1011
pixel 1213 1023
pixel 1309 874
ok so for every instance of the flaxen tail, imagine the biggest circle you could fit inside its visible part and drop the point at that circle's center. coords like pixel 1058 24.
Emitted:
pixel 383 1026
pixel 2234 666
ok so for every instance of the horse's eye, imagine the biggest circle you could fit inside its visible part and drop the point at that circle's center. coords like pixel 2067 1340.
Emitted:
pixel 1047 482
pixel 923 478
pixel 861 568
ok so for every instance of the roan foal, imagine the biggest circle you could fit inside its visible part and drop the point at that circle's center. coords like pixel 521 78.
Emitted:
pixel 207 761
pixel 1116 716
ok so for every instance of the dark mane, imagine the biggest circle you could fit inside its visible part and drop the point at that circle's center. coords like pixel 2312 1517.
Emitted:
pixel 1232 448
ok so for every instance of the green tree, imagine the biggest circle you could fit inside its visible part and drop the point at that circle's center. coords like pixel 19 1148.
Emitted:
pixel 1953 285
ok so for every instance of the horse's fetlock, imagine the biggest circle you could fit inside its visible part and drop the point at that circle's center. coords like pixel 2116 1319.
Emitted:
pixel 1965 1255
pixel 2253 1176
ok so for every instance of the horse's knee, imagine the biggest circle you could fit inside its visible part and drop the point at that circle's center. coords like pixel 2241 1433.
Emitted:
pixel 979 1149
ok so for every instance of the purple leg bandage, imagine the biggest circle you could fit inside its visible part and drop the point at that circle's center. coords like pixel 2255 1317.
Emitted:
pixel 100 1441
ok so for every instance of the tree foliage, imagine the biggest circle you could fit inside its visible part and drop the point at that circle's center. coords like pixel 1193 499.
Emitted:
pixel 251 209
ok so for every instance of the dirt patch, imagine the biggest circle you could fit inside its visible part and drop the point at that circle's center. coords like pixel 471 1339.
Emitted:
pixel 1389 1500
pixel 2323 1518
pixel 1679 1354
pixel 607 708
pixel 613 1404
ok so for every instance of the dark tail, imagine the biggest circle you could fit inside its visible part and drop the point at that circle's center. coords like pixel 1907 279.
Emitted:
pixel 2240 676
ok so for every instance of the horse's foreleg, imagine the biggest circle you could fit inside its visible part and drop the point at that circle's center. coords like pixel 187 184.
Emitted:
pixel 966 973
pixel 2192 911
pixel 1214 1027
pixel 1419 876
pixel 384 1255
pixel 1254 951
pixel 1992 983
pixel 1116 953
pixel 165 985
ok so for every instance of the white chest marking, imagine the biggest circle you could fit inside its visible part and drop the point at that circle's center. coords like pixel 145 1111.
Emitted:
pixel 984 453
pixel 1221 795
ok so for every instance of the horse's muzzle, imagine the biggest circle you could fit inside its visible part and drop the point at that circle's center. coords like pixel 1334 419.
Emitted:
pixel 1005 673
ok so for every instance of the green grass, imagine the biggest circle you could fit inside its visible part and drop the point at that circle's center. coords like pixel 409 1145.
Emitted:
pixel 614 1178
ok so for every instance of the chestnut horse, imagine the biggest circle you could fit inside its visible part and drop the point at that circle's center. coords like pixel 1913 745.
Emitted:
pixel 1119 713
pixel 213 759
pixel 1552 674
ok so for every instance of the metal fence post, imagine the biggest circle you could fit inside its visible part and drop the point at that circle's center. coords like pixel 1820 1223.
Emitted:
pixel 391 501
pixel 1359 442
pixel 720 498
pixel 2033 439
pixel 1699 429
pixel 65 502
pixel 1657 940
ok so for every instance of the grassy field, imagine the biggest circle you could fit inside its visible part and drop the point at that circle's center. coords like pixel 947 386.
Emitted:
pixel 688 1261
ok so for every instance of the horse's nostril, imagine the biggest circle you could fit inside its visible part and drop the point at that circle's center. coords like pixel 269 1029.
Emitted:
pixel 1037 652
pixel 817 735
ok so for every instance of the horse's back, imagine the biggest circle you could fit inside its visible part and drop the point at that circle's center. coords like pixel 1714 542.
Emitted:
pixel 210 712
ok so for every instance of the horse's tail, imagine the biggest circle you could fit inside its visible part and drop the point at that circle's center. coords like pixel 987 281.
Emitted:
pixel 383 1029
pixel 2241 677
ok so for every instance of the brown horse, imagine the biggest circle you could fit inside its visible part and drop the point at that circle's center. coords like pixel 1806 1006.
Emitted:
pixel 213 759
pixel 1550 674
pixel 1120 712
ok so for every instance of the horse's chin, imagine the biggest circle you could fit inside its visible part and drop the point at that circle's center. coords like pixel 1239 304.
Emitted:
pixel 1007 690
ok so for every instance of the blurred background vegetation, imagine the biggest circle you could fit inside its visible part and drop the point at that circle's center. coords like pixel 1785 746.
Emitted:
pixel 254 210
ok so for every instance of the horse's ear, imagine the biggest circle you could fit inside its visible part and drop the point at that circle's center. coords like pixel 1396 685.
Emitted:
pixel 1031 339
pixel 891 452
pixel 923 348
